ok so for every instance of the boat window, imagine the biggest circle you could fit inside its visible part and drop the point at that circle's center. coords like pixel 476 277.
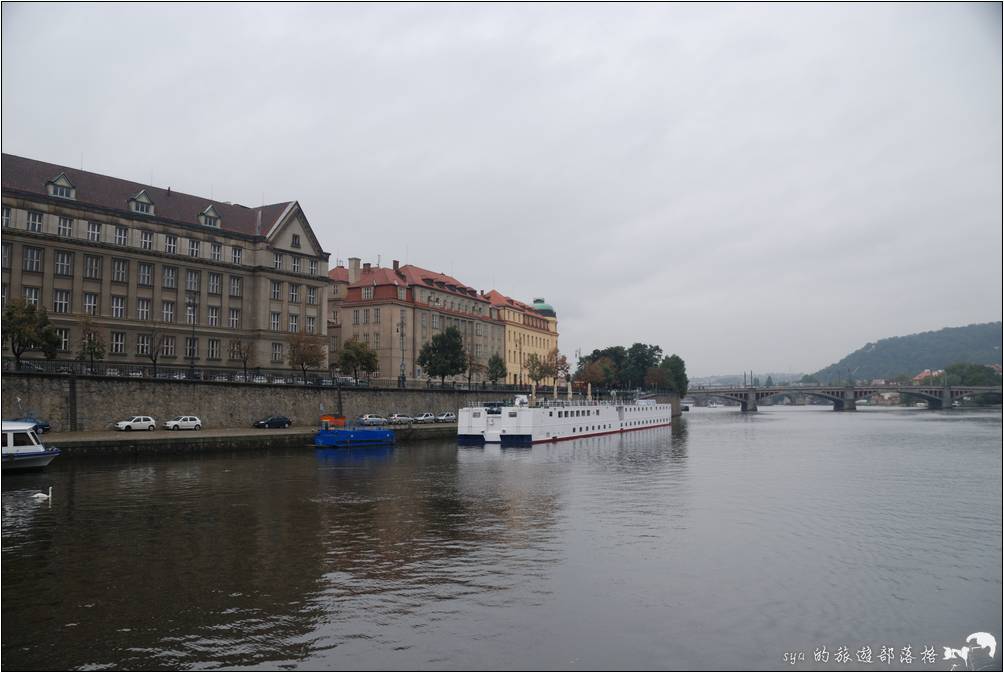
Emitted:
pixel 6 439
pixel 476 414
pixel 512 414
pixel 23 439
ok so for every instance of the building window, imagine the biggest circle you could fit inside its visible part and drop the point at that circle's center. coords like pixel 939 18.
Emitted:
pixel 142 344
pixel 170 244
pixel 235 255
pixel 64 263
pixel 62 191
pixel 121 236
pixel 424 319
pixel 143 309
pixel 120 270
pixel 235 286
pixel 478 329
pixel 310 324
pixel 296 265
pixel 235 349
pixel 141 207
pixel 296 241
pixel 32 259
pixel 215 282
pixel 118 307
pixel 213 348
pixel 294 293
pixel 93 267
pixel 402 293
pixel 274 321
pixel 435 321
pixel 192 313
pixel 366 316
pixel 64 339
pixel 192 347
pixel 65 227
pixel 170 274
pixel 210 221
pixel 94 232
pixel 277 290
pixel 277 260
pixel 276 352
pixel 312 266
pixel 368 292
pixel 90 303
pixel 213 316
pixel 294 323
pixel 118 343
pixel 355 316
pixel 194 248
pixel 6 216
pixel 167 346
pixel 6 255
pixel 192 280
pixel 235 318
pixel 145 274
pixel 311 295
pixel 216 251
pixel 376 316
pixel 31 295
pixel 60 301
pixel 167 310
pixel 146 240
pixel 34 221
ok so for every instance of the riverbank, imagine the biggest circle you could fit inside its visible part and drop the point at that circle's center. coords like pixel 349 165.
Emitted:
pixel 111 443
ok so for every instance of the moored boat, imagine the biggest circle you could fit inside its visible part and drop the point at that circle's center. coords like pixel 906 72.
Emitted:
pixel 335 434
pixel 21 448
pixel 521 422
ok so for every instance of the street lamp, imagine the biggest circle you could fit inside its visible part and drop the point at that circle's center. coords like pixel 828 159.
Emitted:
pixel 401 377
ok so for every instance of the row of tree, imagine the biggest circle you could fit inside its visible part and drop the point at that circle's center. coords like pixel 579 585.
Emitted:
pixel 641 365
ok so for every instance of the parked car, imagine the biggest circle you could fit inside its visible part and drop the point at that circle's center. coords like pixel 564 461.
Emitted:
pixel 446 417
pixel 258 378
pixel 325 382
pixel 239 378
pixel 112 371
pixel 427 417
pixel 40 425
pixel 136 373
pixel 274 422
pixel 180 376
pixel 29 366
pixel 137 423
pixel 220 378
pixel 400 419
pixel 183 423
pixel 372 419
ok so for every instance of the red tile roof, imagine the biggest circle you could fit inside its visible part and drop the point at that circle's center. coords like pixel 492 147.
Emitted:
pixel 499 299
pixel 28 175
pixel 411 275
pixel 339 274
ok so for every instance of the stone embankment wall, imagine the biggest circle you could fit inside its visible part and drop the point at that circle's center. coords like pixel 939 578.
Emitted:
pixel 87 403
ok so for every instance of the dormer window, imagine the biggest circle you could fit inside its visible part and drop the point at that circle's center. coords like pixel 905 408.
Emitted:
pixel 141 203
pixel 209 217
pixel 296 241
pixel 60 186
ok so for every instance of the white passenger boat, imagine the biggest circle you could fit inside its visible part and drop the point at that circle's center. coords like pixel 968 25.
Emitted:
pixel 21 448
pixel 551 420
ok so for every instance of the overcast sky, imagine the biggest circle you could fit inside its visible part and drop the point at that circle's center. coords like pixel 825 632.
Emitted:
pixel 761 187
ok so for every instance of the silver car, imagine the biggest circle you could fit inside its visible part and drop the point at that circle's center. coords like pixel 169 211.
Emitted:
pixel 401 419
pixel 427 417
pixel 372 419
pixel 183 423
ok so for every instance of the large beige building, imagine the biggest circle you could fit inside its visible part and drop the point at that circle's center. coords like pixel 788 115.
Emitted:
pixel 153 268
pixel 397 310
pixel 529 330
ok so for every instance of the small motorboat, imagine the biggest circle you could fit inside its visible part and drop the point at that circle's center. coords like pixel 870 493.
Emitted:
pixel 21 448
pixel 335 434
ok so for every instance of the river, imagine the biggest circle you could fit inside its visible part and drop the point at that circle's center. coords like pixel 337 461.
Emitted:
pixel 730 541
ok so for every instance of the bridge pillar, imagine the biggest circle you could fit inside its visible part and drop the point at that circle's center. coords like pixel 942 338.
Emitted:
pixel 749 404
pixel 946 398
pixel 846 404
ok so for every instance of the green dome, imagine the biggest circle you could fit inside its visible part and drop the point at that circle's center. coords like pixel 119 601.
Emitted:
pixel 544 308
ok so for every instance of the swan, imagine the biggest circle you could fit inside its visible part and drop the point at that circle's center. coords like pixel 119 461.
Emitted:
pixel 41 497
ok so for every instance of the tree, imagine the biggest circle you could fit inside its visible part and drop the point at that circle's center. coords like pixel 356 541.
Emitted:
pixel 600 372
pixel 638 360
pixel 241 350
pixel 306 351
pixel 538 368
pixel 356 355
pixel 92 344
pixel 157 333
pixel 474 366
pixel 671 374
pixel 496 369
pixel 27 328
pixel 559 363
pixel 443 355
pixel 614 358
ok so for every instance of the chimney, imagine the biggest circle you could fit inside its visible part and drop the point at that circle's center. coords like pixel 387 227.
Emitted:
pixel 353 269
pixel 366 266
pixel 397 265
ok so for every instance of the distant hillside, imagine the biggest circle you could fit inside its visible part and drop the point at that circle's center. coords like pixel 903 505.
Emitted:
pixel 886 358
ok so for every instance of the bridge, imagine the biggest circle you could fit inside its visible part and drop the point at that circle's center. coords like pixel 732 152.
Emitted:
pixel 844 398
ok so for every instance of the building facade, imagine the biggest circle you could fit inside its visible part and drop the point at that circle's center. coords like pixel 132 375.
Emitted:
pixel 529 330
pixel 397 310
pixel 157 271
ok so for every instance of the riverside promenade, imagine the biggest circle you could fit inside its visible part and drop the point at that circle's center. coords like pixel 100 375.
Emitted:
pixel 111 442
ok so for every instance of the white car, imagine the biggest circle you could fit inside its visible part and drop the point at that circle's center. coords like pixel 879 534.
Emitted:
pixel 427 417
pixel 183 423
pixel 220 378
pixel 279 380
pixel 137 423
pixel 400 419
pixel 259 379
pixel 372 419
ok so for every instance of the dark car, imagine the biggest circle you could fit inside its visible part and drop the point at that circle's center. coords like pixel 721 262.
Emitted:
pixel 40 425
pixel 274 422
